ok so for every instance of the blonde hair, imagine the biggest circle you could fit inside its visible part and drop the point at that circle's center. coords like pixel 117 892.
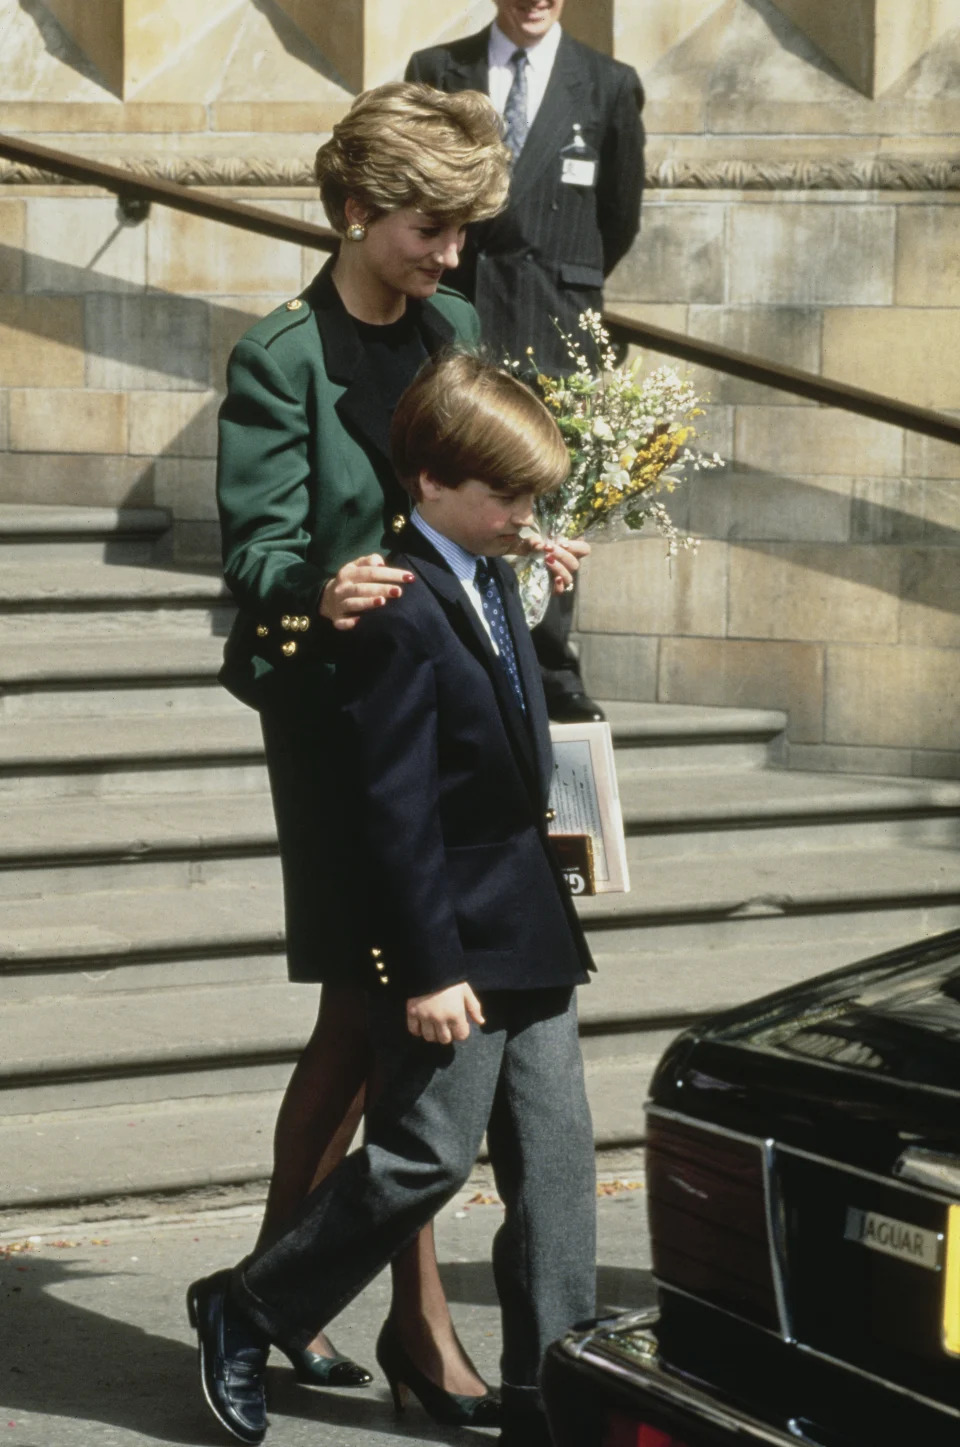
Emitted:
pixel 462 418
pixel 410 145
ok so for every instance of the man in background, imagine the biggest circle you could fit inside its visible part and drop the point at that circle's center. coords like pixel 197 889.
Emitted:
pixel 572 120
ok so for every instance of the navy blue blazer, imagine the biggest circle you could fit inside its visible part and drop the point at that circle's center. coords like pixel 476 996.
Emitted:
pixel 461 880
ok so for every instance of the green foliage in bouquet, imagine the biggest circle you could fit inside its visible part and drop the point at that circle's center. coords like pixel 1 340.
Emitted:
pixel 629 438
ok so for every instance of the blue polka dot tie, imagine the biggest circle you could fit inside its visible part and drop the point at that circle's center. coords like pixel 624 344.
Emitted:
pixel 489 590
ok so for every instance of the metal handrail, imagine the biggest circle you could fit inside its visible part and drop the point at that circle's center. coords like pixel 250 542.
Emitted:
pixel 125 184
pixel 129 186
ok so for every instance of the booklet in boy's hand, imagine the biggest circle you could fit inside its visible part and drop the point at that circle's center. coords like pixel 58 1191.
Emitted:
pixel 585 800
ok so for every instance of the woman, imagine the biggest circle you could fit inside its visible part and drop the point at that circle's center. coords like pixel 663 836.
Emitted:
pixel 308 504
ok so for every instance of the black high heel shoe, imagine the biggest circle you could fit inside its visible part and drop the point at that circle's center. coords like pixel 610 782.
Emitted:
pixel 313 1370
pixel 448 1408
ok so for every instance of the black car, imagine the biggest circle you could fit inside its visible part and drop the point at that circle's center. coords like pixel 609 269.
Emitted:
pixel 803 1172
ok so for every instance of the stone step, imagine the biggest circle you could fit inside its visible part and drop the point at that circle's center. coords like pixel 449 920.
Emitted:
pixel 686 736
pixel 130 536
pixel 857 896
pixel 202 1084
pixel 94 600
pixel 136 1025
pixel 141 1148
pixel 694 813
pixel 129 673
pixel 166 750
pixel 129 842
pixel 178 752
pixel 124 839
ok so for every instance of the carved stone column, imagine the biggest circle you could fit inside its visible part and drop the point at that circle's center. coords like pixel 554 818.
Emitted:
pixel 368 42
pixel 639 33
pixel 873 42
pixel 128 40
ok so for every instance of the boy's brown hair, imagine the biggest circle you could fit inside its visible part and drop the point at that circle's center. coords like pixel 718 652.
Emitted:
pixel 462 418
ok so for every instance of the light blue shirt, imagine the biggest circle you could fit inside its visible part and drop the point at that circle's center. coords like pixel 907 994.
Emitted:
pixel 462 564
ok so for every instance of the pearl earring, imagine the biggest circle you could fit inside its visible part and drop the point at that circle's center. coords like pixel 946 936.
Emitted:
pixel 357 231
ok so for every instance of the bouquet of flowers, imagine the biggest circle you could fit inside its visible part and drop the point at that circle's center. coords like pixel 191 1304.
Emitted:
pixel 629 443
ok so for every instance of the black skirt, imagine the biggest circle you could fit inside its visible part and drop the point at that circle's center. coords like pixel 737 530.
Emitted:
pixel 324 891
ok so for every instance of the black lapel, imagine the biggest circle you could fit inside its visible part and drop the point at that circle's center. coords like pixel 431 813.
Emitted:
pixel 537 718
pixel 467 66
pixel 552 128
pixel 463 618
pixel 361 405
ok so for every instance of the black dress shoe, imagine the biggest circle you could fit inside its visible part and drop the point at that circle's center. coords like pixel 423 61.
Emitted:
pixel 233 1357
pixel 448 1408
pixel 574 708
pixel 313 1370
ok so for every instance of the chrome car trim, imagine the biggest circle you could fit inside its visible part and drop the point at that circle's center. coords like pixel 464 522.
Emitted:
pixel 848 1366
pixel 643 1320
pixel 776 1237
pixel 685 1395
pixel 936 1169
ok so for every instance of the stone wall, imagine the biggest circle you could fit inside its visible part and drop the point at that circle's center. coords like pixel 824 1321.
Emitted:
pixel 112 372
pixel 827 580
pixel 800 206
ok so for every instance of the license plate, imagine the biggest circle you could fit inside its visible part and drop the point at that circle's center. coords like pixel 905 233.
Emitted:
pixel 899 1239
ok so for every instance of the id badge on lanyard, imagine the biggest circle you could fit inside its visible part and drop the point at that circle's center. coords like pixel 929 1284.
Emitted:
pixel 578 162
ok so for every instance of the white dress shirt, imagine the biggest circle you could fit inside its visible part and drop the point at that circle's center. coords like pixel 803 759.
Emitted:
pixel 540 58
pixel 464 564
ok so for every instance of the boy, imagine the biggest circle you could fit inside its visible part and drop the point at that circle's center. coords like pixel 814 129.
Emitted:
pixel 473 944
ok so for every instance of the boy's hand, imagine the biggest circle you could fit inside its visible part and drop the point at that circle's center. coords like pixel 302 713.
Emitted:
pixel 443 1016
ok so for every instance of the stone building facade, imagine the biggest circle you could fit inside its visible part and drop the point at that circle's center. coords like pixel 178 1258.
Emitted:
pixel 802 203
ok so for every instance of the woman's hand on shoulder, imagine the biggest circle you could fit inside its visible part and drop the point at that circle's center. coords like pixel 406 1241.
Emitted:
pixel 359 586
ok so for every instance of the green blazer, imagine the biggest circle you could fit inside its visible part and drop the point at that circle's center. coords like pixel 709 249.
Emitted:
pixel 304 481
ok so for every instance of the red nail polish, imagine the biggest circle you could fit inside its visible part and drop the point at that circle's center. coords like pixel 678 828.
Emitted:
pixel 408 577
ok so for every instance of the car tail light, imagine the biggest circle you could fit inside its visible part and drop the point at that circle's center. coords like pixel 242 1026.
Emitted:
pixel 708 1218
pixel 628 1432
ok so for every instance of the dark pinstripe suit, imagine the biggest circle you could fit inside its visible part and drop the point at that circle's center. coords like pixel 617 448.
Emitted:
pixel 547 254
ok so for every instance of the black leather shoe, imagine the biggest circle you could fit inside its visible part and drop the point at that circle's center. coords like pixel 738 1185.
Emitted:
pixel 233 1357
pixel 448 1408
pixel 574 708
pixel 313 1370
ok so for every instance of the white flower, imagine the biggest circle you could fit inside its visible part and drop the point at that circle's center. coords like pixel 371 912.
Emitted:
pixel 601 428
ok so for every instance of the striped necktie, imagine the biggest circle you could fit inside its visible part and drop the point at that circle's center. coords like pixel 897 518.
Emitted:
pixel 489 590
pixel 516 124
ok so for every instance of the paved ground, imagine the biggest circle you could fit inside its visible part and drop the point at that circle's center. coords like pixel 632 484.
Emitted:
pixel 95 1350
